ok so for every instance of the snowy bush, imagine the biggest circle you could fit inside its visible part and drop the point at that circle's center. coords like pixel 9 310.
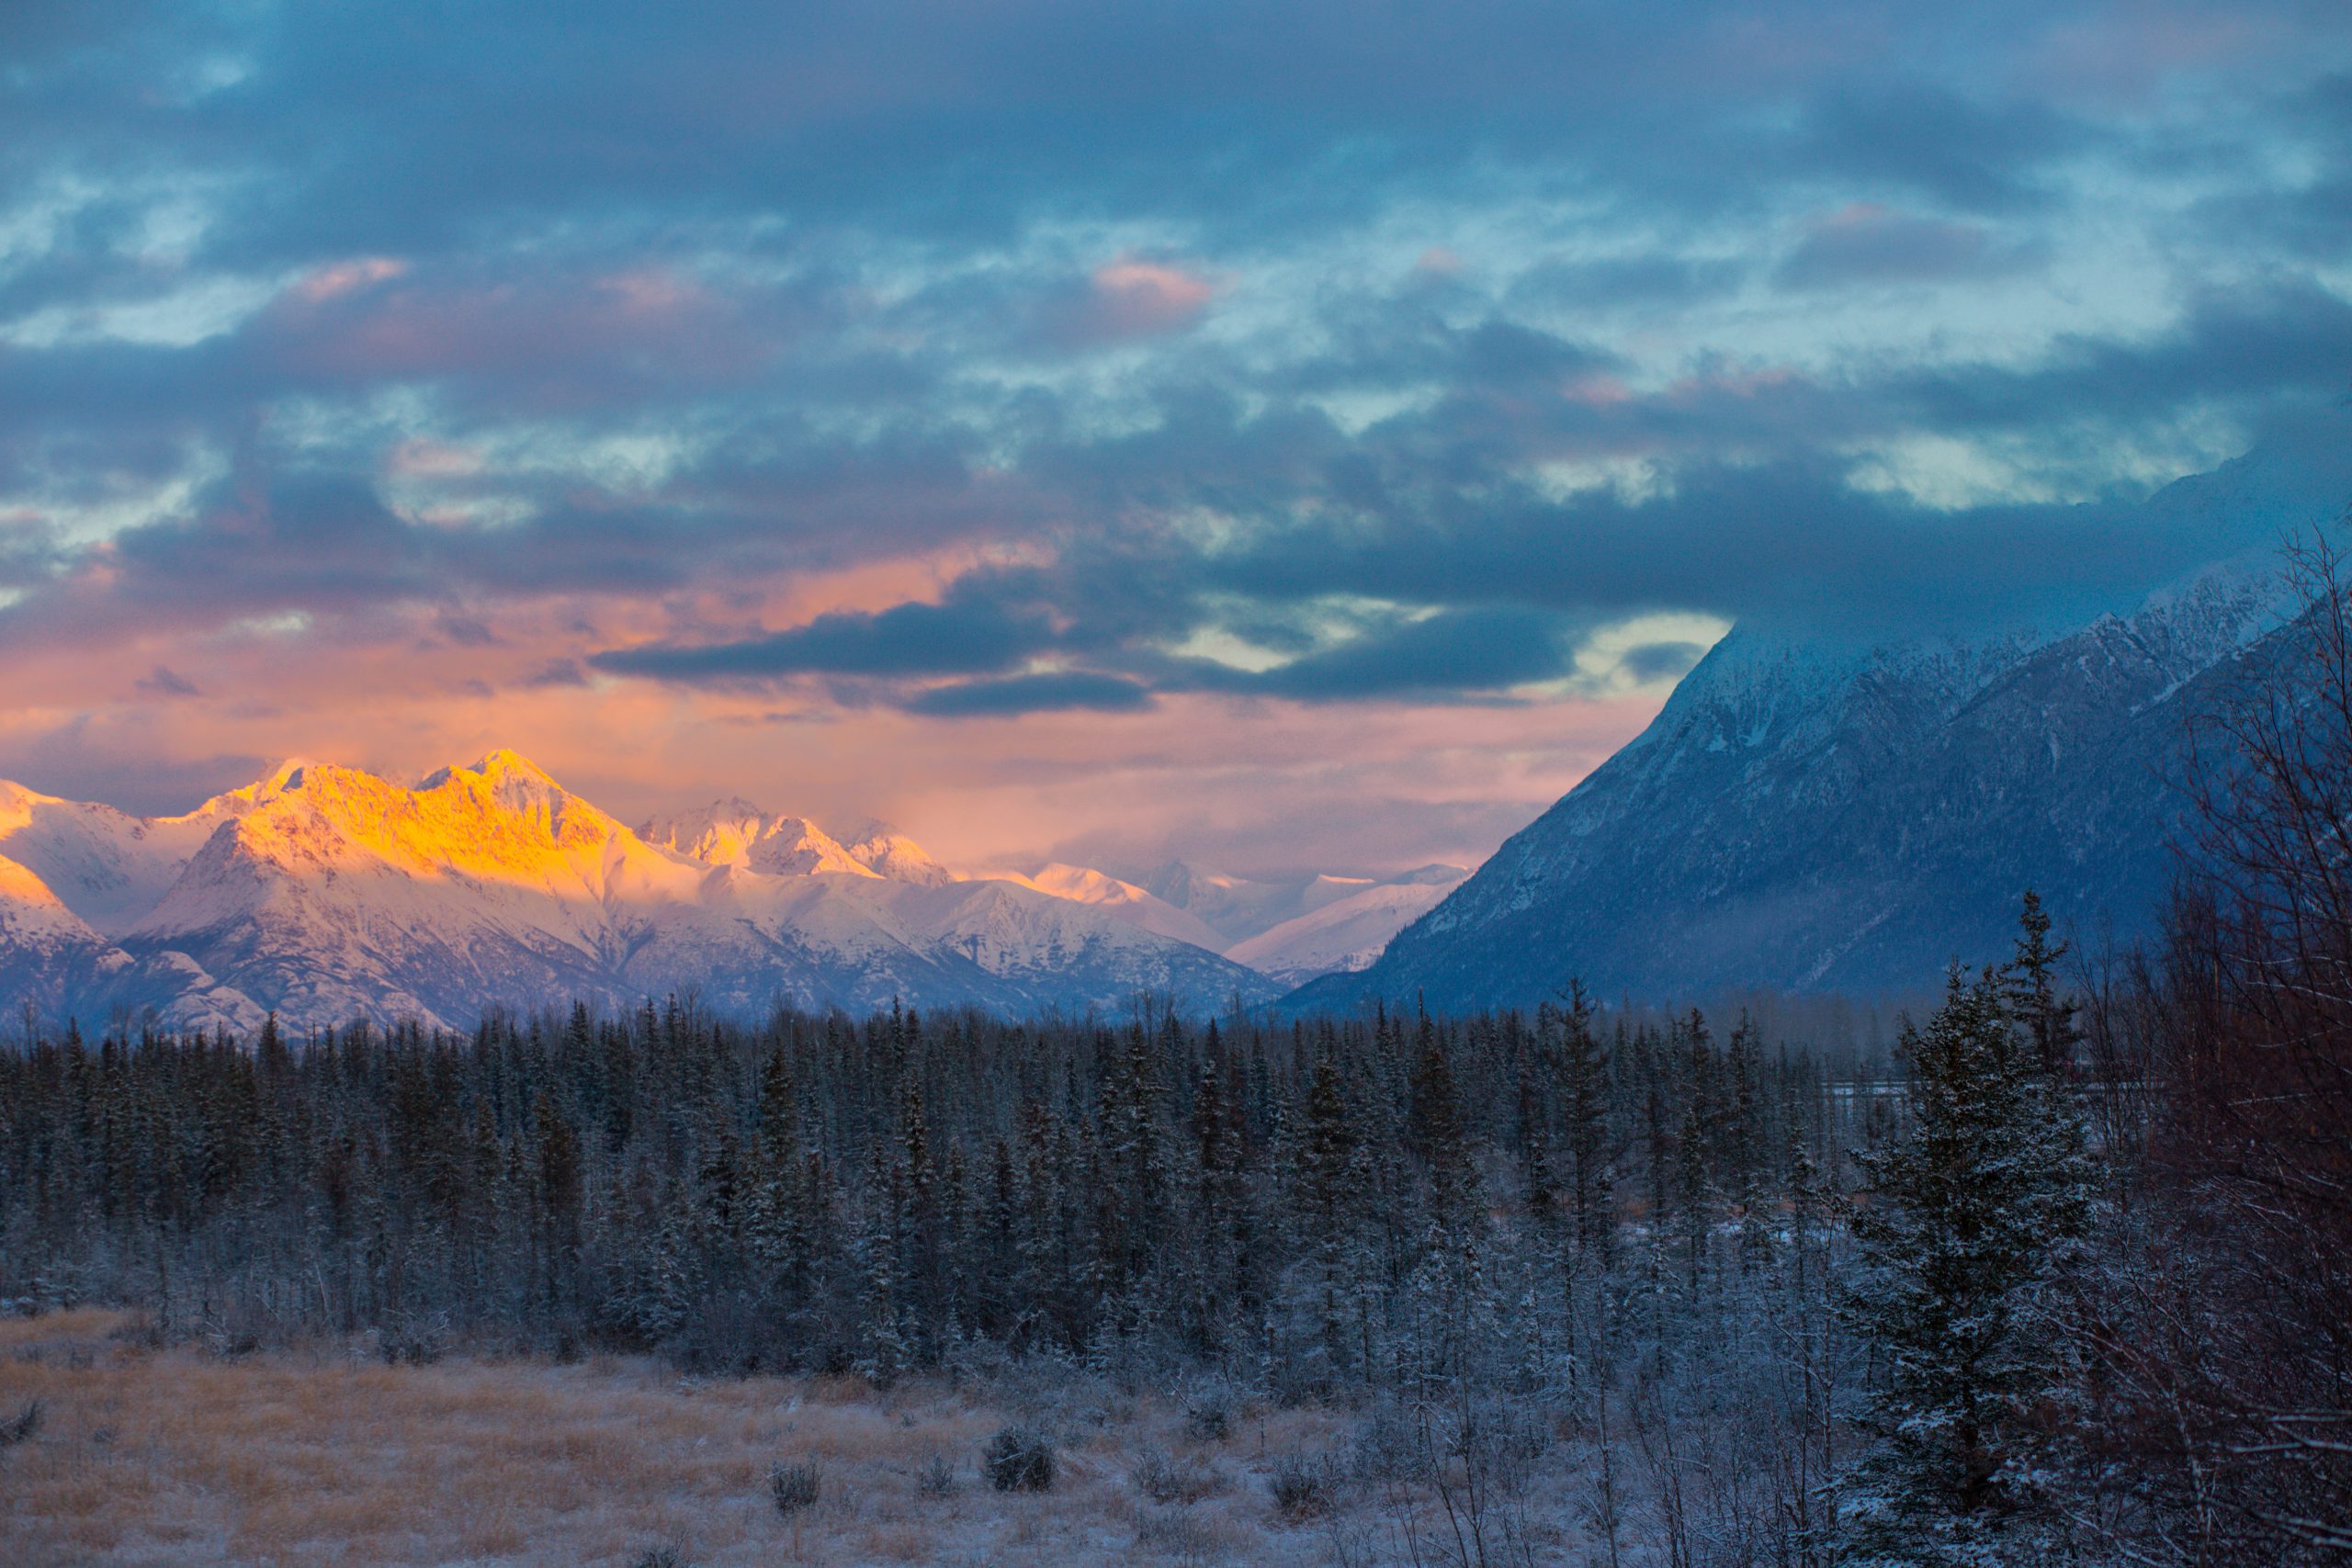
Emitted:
pixel 1208 1415
pixel 1019 1459
pixel 27 1422
pixel 794 1486
pixel 1301 1488
pixel 1166 1479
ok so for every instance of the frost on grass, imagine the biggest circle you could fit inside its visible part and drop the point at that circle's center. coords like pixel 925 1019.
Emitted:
pixel 150 1455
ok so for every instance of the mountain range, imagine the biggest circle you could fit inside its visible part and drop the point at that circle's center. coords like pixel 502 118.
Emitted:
pixel 1852 816
pixel 322 892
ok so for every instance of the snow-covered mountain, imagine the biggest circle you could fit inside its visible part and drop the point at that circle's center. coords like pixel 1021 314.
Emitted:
pixel 1851 818
pixel 323 892
pixel 1350 931
pixel 1242 909
pixel 886 851
pixel 735 832
pixel 1121 900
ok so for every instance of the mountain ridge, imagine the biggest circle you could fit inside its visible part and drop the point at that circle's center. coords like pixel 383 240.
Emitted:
pixel 321 892
pixel 1849 819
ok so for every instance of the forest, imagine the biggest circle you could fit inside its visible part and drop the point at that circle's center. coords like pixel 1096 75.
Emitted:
pixel 2064 1276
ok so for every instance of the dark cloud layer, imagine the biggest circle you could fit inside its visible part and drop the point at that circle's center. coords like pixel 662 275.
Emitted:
pixel 1405 352
pixel 1054 692
pixel 908 639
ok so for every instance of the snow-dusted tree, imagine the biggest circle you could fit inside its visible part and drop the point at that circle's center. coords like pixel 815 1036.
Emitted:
pixel 2046 1015
pixel 1584 1108
pixel 662 1286
pixel 1965 1224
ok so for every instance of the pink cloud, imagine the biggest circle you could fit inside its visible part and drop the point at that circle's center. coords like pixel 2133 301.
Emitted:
pixel 426 459
pixel 1132 297
pixel 347 277
pixel 557 338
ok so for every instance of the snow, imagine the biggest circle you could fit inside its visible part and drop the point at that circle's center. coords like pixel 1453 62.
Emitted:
pixel 1348 933
pixel 324 892
pixel 1122 900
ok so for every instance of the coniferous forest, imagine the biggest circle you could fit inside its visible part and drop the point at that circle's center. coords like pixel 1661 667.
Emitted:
pixel 2047 1290
pixel 2065 1277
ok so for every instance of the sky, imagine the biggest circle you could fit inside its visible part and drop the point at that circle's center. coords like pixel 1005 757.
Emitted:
pixel 1293 437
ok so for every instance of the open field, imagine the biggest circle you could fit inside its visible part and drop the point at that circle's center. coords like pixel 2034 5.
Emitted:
pixel 183 1456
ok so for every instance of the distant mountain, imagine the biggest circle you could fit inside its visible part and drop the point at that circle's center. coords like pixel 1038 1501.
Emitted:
pixel 1815 815
pixel 735 832
pixel 1240 909
pixel 886 851
pixel 1120 900
pixel 1348 932
pixel 324 892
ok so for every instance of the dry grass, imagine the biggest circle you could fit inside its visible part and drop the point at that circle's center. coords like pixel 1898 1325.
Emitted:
pixel 175 1457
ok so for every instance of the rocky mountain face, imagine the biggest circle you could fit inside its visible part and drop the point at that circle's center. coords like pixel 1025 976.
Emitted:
pixel 322 892
pixel 1816 816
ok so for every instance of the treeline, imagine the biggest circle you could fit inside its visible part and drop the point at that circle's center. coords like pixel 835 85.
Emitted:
pixel 819 1193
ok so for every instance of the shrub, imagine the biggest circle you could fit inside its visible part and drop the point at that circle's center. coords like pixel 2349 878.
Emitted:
pixel 27 1422
pixel 661 1557
pixel 1166 1479
pixel 1019 1459
pixel 794 1487
pixel 1184 1537
pixel 1208 1417
pixel 936 1478
pixel 231 1344
pixel 1301 1488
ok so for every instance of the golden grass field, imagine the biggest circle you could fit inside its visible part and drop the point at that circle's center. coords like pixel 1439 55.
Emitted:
pixel 174 1456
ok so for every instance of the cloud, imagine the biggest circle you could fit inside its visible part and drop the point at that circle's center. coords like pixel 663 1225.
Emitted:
pixel 162 683
pixel 970 637
pixel 1868 244
pixel 1449 653
pixel 1054 692
pixel 555 672
pixel 1654 279
pixel 1930 141
pixel 1130 296
pixel 1660 661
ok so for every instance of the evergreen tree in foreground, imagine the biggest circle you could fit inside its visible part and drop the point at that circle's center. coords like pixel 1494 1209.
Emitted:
pixel 1965 1221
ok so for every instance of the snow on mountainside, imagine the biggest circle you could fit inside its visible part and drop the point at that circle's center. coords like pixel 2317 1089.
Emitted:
pixel 886 851
pixel 1122 900
pixel 324 892
pixel 110 865
pixel 1808 816
pixel 735 832
pixel 51 959
pixel 1239 908
pixel 1349 932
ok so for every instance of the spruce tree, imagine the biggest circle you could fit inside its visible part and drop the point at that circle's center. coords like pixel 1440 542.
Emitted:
pixel 1584 1106
pixel 2032 987
pixel 1965 1221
